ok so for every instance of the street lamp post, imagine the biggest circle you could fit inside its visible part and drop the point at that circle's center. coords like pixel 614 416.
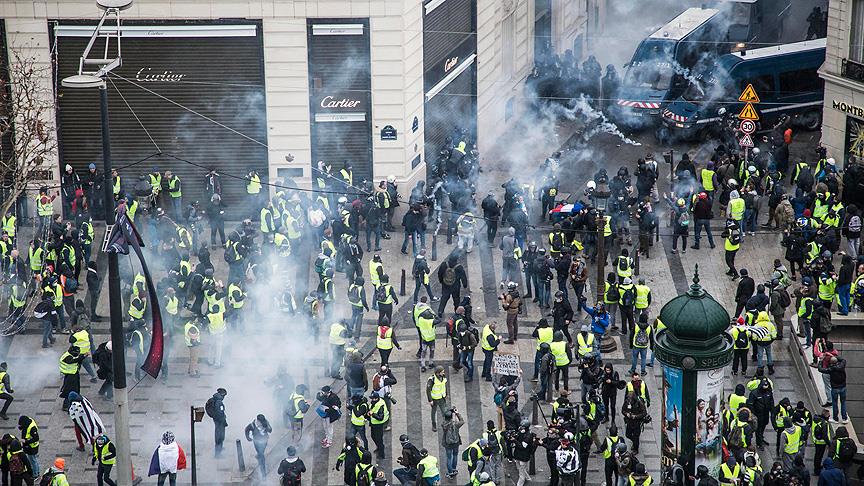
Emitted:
pixel 196 414
pixel 601 199
pixel 89 80
pixel 118 353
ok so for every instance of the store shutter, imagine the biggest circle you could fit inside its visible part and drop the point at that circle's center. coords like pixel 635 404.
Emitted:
pixel 454 107
pixel 339 67
pixel 221 78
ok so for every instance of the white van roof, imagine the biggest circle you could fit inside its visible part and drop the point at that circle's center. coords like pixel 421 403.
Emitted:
pixel 684 23
pixel 781 49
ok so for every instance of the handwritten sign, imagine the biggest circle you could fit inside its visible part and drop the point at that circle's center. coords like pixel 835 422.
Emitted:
pixel 506 364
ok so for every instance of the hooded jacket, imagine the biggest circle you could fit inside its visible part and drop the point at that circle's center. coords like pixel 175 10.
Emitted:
pixel 830 475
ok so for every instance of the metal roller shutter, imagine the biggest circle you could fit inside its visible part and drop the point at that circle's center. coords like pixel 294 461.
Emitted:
pixel 454 107
pixel 221 78
pixel 339 69
pixel 444 28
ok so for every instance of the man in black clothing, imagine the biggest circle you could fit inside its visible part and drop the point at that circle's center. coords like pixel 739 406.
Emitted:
pixel 491 213
pixel 761 402
pixel 220 421
pixel 291 468
pixel 409 459
pixel 745 289
pixel 759 301
pixel 562 314
pixel 452 277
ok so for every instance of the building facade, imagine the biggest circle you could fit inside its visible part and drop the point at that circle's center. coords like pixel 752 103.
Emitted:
pixel 275 86
pixel 843 72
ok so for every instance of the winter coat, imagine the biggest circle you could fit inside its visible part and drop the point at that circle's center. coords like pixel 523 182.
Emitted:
pixel 450 428
pixel 830 475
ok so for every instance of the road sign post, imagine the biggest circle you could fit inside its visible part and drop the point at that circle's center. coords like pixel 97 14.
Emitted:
pixel 748 117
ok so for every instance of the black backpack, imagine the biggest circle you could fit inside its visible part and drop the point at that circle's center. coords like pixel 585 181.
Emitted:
pixel 628 297
pixel 210 407
pixel 848 449
pixel 742 340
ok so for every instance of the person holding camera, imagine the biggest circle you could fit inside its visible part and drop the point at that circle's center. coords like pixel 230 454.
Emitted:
pixel 451 440
pixel 409 460
pixel 635 413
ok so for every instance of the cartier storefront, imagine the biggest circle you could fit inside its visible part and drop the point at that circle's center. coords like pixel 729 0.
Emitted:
pixel 340 94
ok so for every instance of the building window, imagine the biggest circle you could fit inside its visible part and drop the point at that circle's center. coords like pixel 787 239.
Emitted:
pixel 508 41
pixel 856 37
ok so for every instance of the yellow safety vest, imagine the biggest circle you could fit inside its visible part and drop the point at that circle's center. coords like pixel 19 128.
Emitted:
pixel 585 345
pixel 35 259
pixel 116 186
pixel 16 298
pixel 190 330
pixel 822 424
pixel 60 480
pixel 727 475
pixel 68 368
pixel 544 335
pixel 140 340
pixel 636 332
pixel 439 388
pixel 628 270
pixel 136 312
pixel 430 466
pixel 484 341
pixel 708 179
pixel 29 433
pixel 643 390
pixel 559 350
pixel 44 210
pixel 648 481
pixel 172 305
pixel 385 342
pixel 254 185
pixel 9 225
pixel 611 445
pixel 236 296
pixel 296 399
pixel 354 295
pixel 347 177
pixel 607 226
pixel 131 209
pixel 377 408
pixel 642 293
pixel 426 326
pixel 290 225
pixel 793 441
pixel 736 209
pixel 282 244
pixel 82 341
pixel 782 413
pixel 373 272
pixel 185 270
pixel 2 385
pixel 265 226
pixel 155 183
pixel 336 337
pixel 217 322
pixel 357 420
pixel 388 299
pixel 174 187
pixel 735 401
pixel 100 453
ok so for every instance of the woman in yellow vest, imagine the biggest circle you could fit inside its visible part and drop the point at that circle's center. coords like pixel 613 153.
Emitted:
pixel 105 454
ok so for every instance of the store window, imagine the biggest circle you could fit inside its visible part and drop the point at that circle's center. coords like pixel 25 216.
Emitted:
pixel 856 35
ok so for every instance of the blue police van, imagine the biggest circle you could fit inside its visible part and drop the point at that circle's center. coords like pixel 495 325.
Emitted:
pixel 784 77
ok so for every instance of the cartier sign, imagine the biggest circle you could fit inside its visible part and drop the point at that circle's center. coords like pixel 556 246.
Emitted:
pixel 450 63
pixel 339 103
pixel 148 75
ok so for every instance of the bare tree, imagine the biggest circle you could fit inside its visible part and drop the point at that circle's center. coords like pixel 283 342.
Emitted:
pixel 27 119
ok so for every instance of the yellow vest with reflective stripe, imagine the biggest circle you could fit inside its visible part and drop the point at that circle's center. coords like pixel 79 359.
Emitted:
pixel 290 223
pixel 611 444
pixel 385 342
pixel 2 385
pixel 68 368
pixel 729 475
pixel 354 295
pixel 44 210
pixel 9 225
pixel 236 301
pixel 793 441
pixel 29 433
pixel 174 189
pixel 735 401
pixel 357 420
pixel 426 326
pixel 377 408
pixel 16 298
pixel 336 338
pixel 585 344
pixel 99 453
pixel 136 311
pixel 388 299
pixel 296 399
pixel 140 340
pixel 35 259
pixel 559 350
pixel 116 186
pixel 636 332
pixel 265 226
pixel 607 225
pixel 642 389
pixel 82 341
pixel 439 388
pixel 736 209
pixel 544 335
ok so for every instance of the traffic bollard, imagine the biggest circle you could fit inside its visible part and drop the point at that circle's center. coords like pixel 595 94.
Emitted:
pixel 241 464
pixel 532 469
pixel 402 285
pixel 435 247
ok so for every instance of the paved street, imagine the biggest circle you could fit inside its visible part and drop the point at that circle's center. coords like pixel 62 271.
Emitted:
pixel 255 355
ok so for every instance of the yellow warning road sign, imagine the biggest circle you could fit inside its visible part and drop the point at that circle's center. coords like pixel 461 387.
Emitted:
pixel 749 95
pixel 748 113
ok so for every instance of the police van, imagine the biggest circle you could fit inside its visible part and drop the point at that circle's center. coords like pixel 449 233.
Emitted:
pixel 784 77
pixel 658 69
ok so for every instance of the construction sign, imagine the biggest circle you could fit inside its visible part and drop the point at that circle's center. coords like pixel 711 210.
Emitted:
pixel 749 95
pixel 746 141
pixel 748 113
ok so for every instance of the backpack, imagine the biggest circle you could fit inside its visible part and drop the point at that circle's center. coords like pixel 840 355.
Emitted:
pixel 381 294
pixel 290 478
pixel 465 455
pixel 363 476
pixel 210 407
pixel 499 398
pixel 684 219
pixel 676 469
pixel 736 436
pixel 742 340
pixel 47 479
pixel 71 284
pixel 785 298
pixel 16 464
pixel 449 276
pixel 623 264
pixel 848 449
pixel 854 224
pixel 641 338
pixel 805 178
pixel 825 325
pixel 628 298
pixel 612 295
pixel 819 431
